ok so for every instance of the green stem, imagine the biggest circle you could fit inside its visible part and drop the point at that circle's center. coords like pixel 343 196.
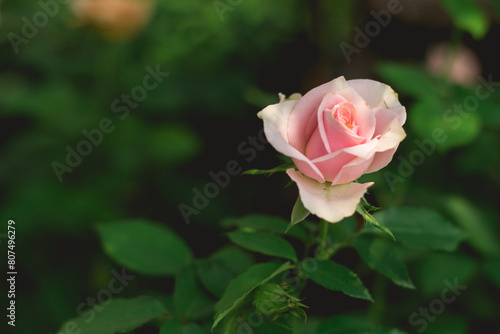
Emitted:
pixel 376 311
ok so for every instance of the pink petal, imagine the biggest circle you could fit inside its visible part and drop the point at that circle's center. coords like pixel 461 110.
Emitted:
pixel 332 203
pixel 379 95
pixel 380 160
pixel 334 135
pixel 365 119
pixel 348 164
pixel 276 117
pixel 316 146
pixel 390 133
pixel 331 164
pixel 303 121
pixel 388 128
pixel 353 170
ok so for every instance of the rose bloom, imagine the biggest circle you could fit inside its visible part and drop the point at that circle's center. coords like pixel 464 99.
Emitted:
pixel 334 134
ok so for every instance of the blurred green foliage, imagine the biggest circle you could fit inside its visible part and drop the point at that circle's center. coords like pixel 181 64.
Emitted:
pixel 222 70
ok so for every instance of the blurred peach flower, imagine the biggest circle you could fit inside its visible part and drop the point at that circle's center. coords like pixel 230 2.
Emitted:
pixel 116 19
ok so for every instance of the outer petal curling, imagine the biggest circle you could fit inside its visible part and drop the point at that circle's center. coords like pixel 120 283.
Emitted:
pixel 332 203
pixel 275 119
pixel 391 137
pixel 380 160
pixel 299 127
pixel 379 95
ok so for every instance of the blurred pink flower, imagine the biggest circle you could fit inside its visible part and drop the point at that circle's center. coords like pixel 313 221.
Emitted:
pixel 460 65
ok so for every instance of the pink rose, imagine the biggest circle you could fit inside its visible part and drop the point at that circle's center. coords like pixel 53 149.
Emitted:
pixel 334 134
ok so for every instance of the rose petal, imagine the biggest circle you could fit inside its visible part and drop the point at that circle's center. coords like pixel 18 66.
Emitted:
pixel 379 95
pixel 329 101
pixel 309 170
pixel 294 96
pixel 388 128
pixel 348 164
pixel 353 170
pixel 332 203
pixel 365 120
pixel 380 160
pixel 334 135
pixel 331 167
pixel 303 121
pixel 316 146
pixel 390 133
pixel 275 119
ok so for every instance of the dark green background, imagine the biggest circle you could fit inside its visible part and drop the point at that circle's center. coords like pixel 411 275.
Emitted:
pixel 221 73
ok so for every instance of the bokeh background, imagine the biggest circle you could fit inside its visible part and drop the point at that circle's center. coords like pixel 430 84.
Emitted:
pixel 226 60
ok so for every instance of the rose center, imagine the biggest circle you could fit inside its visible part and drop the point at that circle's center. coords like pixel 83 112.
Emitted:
pixel 345 114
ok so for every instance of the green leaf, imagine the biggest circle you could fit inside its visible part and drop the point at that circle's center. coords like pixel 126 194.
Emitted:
pixel 190 301
pixel 265 243
pixel 244 284
pixel 218 270
pixel 144 246
pixel 474 159
pixel 347 324
pixel 117 315
pixel 409 80
pixel 233 257
pixel 269 172
pixel 336 277
pixel 468 16
pixel 450 324
pixel 266 223
pixel 429 116
pixel 469 217
pixel 492 270
pixel 439 268
pixel 279 326
pixel 308 327
pixel 488 109
pixel 176 326
pixel 439 110
pixel 420 228
pixel 380 255
pixel 369 218
pixel 169 303
pixel 299 213
pixel 214 275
